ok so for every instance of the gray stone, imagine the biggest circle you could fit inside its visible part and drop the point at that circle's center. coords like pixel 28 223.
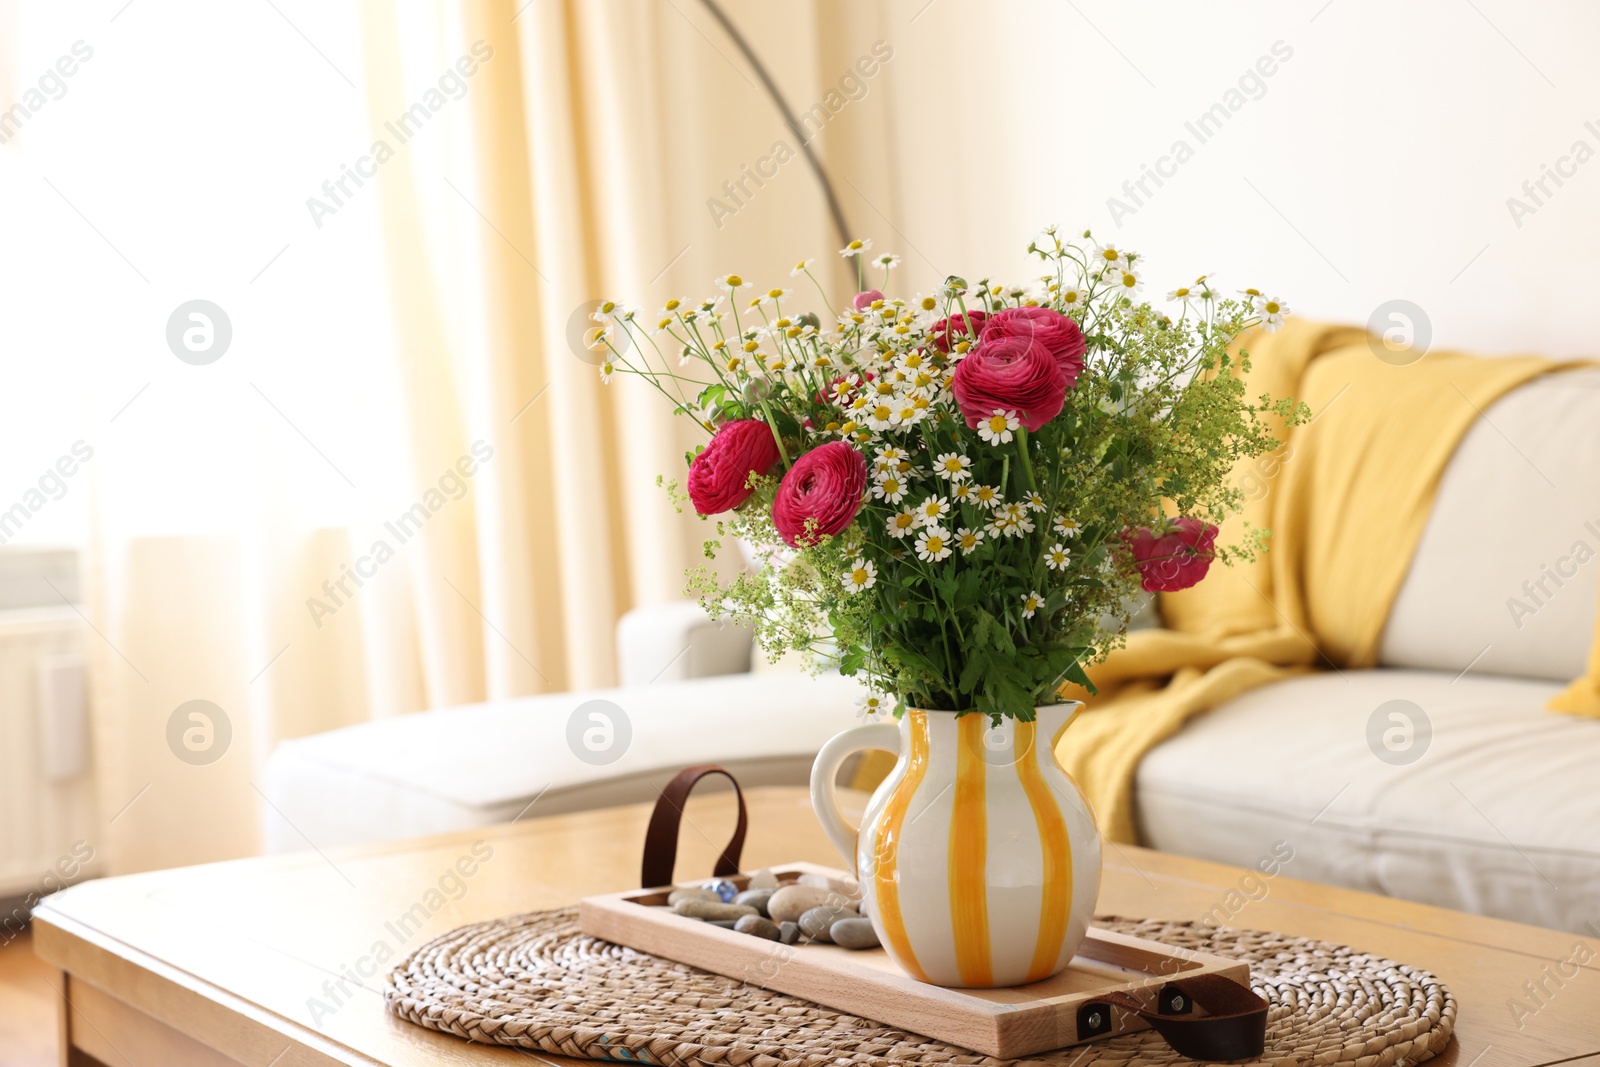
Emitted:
pixel 755 924
pixel 788 933
pixel 788 903
pixel 853 933
pixel 692 892
pixel 713 910
pixel 755 898
pixel 726 924
pixel 764 879
pixel 816 922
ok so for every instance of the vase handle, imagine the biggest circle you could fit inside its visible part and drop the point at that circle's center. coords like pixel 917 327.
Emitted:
pixel 824 787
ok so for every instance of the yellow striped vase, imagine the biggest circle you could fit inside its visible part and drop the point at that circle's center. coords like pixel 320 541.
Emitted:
pixel 978 857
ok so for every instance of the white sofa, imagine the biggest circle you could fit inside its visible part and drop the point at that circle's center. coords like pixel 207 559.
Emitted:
pixel 1488 805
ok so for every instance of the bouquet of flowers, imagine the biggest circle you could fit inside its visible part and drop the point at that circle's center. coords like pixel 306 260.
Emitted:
pixel 959 495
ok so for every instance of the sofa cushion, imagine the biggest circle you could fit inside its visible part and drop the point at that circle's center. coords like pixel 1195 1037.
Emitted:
pixel 456 768
pixel 1495 813
pixel 1508 567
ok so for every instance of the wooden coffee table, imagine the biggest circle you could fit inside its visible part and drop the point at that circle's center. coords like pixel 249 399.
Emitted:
pixel 280 961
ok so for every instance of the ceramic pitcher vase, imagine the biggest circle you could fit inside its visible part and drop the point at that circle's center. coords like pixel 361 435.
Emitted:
pixel 978 857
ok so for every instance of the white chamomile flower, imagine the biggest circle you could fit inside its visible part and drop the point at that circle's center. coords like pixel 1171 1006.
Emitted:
pixel 1056 558
pixel 801 267
pixel 1272 311
pixel 1125 282
pixel 1109 257
pixel 1012 520
pixel 860 246
pixel 776 294
pixel 890 487
pixel 933 509
pixel 1067 527
pixel 968 540
pixel 902 523
pixel 887 261
pixel 879 416
pixel 1035 502
pixel 872 706
pixel 608 370
pixel 953 467
pixel 986 496
pixel 1071 297
pixel 863 574
pixel 1031 602
pixel 997 429
pixel 891 457
pixel 961 492
pixel 933 544
pixel 607 311
pixel 731 283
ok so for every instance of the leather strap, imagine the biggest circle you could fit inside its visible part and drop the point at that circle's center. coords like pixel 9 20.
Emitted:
pixel 661 839
pixel 1233 1028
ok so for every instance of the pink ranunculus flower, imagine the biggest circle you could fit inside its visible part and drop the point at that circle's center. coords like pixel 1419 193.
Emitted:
pixel 864 300
pixel 827 485
pixel 719 477
pixel 956 324
pixel 1009 373
pixel 1057 332
pixel 1173 556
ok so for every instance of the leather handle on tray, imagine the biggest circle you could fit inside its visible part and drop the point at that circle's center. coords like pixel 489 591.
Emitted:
pixel 661 839
pixel 1233 1028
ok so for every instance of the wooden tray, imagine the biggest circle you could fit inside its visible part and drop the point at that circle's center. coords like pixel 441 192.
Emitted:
pixel 1007 1023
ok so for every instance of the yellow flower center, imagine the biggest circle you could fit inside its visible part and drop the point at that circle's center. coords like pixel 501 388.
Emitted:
pixel 1110 255
pixel 1272 307
pixel 1184 291
pixel 854 246
pixel 672 305
pixel 859 576
pixel 735 281
pixel 881 411
pixel 608 307
pixel 997 423
pixel 903 522
pixel 935 544
pixel 929 303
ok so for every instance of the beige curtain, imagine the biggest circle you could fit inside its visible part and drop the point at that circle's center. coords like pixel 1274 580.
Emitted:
pixel 602 149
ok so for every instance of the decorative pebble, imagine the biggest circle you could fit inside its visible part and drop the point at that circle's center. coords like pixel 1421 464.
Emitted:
pixel 788 903
pixel 788 933
pixel 726 924
pixel 816 881
pixel 816 922
pixel 755 924
pixel 853 933
pixel 764 879
pixel 755 898
pixel 691 892
pixel 713 909
pixel 725 890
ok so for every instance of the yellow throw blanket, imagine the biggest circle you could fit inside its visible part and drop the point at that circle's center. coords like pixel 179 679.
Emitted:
pixel 1346 499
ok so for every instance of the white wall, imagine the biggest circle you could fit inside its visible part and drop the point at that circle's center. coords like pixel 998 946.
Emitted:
pixel 1376 164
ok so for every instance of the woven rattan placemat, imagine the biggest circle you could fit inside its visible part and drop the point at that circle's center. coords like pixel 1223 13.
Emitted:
pixel 534 981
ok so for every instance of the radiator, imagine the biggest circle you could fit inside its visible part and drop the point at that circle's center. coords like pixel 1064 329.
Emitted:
pixel 48 814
